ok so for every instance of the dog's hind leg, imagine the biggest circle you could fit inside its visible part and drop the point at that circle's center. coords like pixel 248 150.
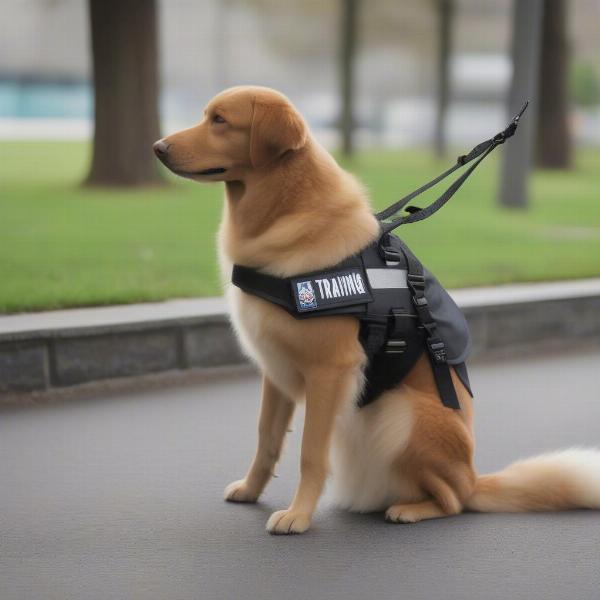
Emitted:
pixel 446 500
pixel 276 411
pixel 412 513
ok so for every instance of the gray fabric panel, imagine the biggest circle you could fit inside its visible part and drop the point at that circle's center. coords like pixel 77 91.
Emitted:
pixel 463 375
pixel 387 278
pixel 452 325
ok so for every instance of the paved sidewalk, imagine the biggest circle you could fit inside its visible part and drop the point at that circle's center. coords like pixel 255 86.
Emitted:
pixel 120 498
pixel 29 324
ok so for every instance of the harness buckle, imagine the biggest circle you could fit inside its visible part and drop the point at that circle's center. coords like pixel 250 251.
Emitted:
pixel 390 254
pixel 437 349
pixel 416 282
pixel 417 286
pixel 500 138
pixel 396 344
pixel 395 347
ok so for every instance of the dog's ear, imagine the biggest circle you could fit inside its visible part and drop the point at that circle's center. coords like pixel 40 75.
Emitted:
pixel 276 128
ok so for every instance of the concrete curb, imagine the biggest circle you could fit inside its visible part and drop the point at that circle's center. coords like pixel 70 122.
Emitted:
pixel 59 349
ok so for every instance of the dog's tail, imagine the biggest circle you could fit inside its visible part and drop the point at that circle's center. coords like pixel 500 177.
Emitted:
pixel 560 480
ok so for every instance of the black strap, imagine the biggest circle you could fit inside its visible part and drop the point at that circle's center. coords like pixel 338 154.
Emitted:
pixel 480 151
pixel 267 287
pixel 374 333
pixel 435 345
pixel 278 290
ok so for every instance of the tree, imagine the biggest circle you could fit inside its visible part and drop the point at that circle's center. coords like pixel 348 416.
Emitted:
pixel 525 52
pixel 553 138
pixel 124 49
pixel 348 49
pixel 445 11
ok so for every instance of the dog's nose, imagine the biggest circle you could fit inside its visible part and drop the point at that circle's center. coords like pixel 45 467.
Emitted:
pixel 161 149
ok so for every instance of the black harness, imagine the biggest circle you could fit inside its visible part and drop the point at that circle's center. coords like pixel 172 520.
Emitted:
pixel 403 310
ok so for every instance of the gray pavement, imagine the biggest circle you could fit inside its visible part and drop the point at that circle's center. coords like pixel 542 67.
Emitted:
pixel 119 497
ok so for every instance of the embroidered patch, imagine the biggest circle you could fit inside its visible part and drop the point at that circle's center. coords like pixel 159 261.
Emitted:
pixel 328 290
pixel 306 295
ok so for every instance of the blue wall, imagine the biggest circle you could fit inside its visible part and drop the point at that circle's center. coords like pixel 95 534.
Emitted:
pixel 27 99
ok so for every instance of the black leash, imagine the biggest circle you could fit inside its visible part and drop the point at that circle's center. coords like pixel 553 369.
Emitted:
pixel 418 214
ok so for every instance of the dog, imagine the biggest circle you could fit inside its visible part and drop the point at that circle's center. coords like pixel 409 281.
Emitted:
pixel 290 209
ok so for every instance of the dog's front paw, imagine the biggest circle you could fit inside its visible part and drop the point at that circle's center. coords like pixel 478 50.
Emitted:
pixel 286 522
pixel 239 491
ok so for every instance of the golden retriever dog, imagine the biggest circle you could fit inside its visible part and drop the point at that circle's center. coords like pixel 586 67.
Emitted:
pixel 290 209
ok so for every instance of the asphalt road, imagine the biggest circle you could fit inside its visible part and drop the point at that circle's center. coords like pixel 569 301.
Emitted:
pixel 120 497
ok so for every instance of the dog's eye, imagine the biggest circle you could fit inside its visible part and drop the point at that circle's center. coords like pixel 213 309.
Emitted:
pixel 218 119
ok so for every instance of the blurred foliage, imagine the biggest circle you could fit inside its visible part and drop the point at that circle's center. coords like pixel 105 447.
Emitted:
pixel 63 245
pixel 585 85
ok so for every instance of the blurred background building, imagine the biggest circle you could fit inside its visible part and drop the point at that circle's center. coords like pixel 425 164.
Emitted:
pixel 207 45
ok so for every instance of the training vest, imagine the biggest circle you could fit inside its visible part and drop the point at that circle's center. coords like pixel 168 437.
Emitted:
pixel 402 308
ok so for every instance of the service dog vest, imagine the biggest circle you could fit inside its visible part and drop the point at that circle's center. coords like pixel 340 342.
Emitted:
pixel 402 308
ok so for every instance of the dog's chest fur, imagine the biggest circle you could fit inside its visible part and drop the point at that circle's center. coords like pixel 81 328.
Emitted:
pixel 256 324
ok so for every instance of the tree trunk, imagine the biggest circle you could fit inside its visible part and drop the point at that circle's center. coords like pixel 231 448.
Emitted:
pixel 525 52
pixel 124 48
pixel 553 139
pixel 445 10
pixel 348 48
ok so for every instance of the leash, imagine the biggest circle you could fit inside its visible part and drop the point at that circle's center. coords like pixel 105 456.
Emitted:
pixel 418 214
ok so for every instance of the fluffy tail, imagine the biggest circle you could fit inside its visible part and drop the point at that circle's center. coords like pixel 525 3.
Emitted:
pixel 556 481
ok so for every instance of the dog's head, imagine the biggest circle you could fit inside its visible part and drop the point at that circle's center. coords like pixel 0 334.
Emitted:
pixel 243 128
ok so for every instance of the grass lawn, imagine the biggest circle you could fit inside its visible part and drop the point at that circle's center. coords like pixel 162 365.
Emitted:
pixel 62 245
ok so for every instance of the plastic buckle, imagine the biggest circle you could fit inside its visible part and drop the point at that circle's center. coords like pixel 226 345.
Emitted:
pixel 395 344
pixel 417 285
pixel 395 347
pixel 501 137
pixel 416 282
pixel 437 349
pixel 390 254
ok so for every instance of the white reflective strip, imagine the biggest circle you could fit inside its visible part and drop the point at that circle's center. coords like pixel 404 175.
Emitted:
pixel 387 278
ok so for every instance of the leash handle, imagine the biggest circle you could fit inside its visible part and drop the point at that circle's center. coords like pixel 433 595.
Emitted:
pixel 480 151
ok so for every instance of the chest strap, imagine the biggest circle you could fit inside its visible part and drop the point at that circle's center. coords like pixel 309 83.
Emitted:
pixel 341 290
pixel 267 287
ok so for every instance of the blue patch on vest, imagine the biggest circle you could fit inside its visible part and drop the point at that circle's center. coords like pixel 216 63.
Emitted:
pixel 306 295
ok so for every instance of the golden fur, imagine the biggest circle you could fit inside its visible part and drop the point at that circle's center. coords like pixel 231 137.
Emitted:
pixel 406 453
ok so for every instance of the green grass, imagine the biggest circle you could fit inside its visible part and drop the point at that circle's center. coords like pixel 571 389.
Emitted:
pixel 63 245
